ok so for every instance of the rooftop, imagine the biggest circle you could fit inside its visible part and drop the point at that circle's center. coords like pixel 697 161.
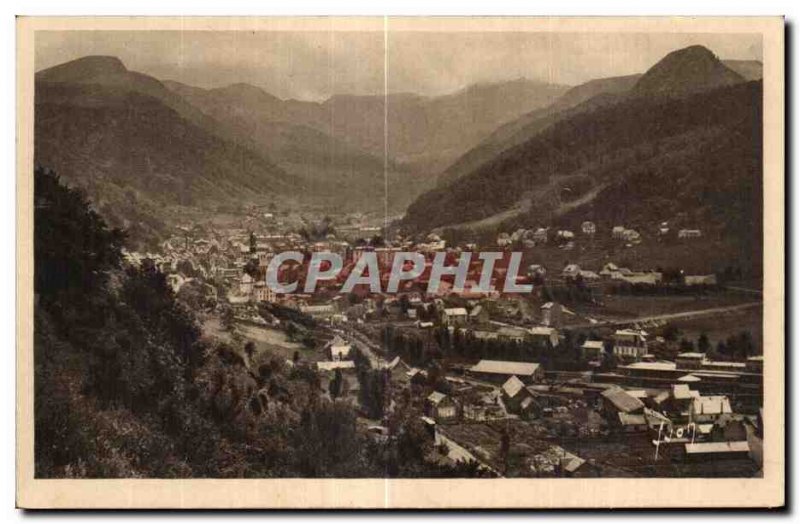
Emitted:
pixel 436 397
pixel 712 405
pixel 725 364
pixel 630 333
pixel 691 355
pixel 502 367
pixel 334 365
pixel 627 419
pixel 622 400
pixel 513 386
pixel 718 447
pixel 512 331
pixel 682 392
pixel 654 366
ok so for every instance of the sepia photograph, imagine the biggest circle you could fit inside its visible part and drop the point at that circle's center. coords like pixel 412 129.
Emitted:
pixel 376 262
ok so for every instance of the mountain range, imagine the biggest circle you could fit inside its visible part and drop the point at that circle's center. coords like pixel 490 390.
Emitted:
pixel 136 147
pixel 513 152
pixel 98 123
pixel 679 143
pixel 584 97
pixel 338 146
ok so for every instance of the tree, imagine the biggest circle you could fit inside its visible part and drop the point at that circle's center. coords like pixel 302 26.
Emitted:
pixel 609 361
pixel 131 347
pixel 505 446
pixel 326 443
pixel 251 268
pixel 741 345
pixel 228 319
pixel 671 332
pixel 412 441
pixel 335 386
pixel 73 248
pixel 703 344
pixel 250 349
pixel 373 392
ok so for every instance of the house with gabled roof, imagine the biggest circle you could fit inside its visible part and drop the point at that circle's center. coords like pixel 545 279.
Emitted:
pixel 616 400
pixel 338 349
pixel 500 371
pixel 516 396
pixel 709 409
pixel 630 344
pixel 544 337
pixel 551 314
pixel 456 316
pixel 592 349
pixel 441 407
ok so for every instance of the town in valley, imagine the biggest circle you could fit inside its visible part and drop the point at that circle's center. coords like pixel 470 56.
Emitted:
pixel 631 198
pixel 604 370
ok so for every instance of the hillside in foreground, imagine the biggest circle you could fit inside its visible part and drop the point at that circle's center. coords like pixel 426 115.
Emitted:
pixel 126 384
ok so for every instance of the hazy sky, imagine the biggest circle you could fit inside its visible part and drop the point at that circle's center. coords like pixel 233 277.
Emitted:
pixel 314 65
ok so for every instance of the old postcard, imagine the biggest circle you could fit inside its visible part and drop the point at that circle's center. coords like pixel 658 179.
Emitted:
pixel 400 262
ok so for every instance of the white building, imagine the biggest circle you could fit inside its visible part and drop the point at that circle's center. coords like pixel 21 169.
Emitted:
pixel 456 316
pixel 339 349
pixel 630 344
pixel 592 349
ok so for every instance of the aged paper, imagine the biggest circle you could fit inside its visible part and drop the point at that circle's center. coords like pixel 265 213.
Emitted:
pixel 400 262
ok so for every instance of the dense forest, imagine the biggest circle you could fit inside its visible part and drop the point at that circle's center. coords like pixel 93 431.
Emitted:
pixel 705 148
pixel 127 386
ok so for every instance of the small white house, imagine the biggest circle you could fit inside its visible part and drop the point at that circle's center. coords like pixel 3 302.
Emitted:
pixel 592 349
pixel 689 233
pixel 571 271
pixel 339 349
pixel 456 316
pixel 565 234
pixel 540 235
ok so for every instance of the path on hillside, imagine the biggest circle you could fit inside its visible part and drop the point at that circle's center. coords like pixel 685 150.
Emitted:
pixel 744 289
pixel 456 452
pixel 367 348
pixel 668 316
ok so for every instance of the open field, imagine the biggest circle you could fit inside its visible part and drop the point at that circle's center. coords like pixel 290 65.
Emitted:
pixel 720 327
pixel 272 340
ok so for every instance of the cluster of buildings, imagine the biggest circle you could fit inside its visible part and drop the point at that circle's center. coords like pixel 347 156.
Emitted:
pixel 690 409
pixel 530 238
pixel 680 420
pixel 612 273
pixel 686 406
